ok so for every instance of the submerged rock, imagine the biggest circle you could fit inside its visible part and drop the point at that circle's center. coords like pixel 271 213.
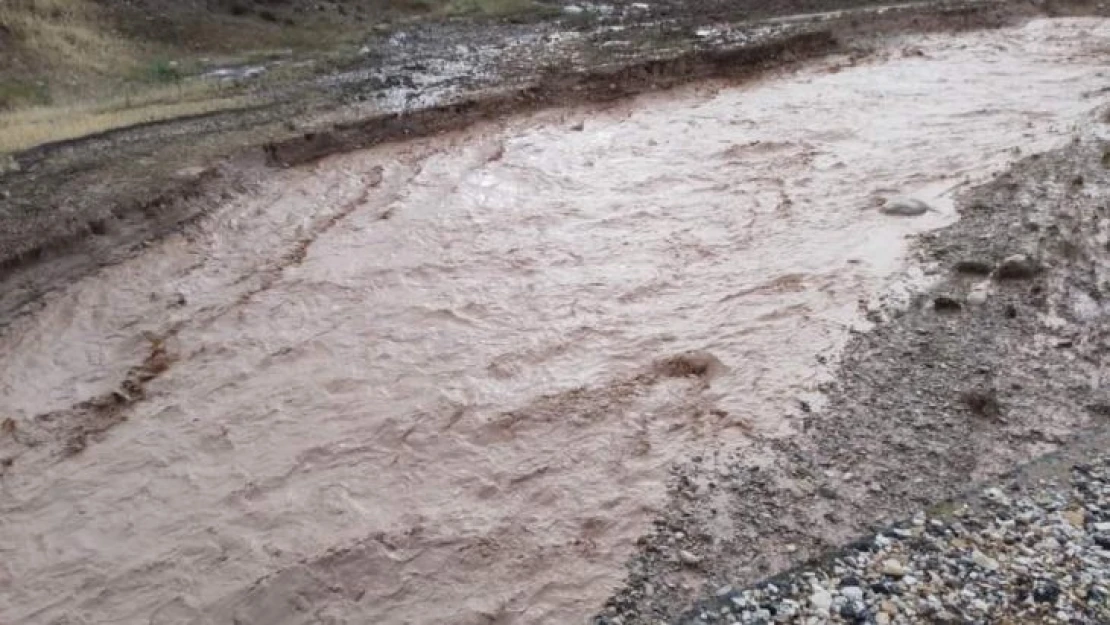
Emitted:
pixel 905 207
pixel 1016 267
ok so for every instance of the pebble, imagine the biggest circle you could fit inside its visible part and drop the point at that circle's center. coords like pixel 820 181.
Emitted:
pixel 852 593
pixel 984 561
pixel 1040 557
pixel 893 568
pixel 1016 267
pixel 904 207
pixel 688 558
pixel 821 600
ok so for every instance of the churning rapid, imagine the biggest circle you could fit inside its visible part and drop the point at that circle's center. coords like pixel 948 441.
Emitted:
pixel 443 381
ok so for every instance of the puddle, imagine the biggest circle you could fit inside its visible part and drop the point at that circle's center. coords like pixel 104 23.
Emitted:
pixel 443 381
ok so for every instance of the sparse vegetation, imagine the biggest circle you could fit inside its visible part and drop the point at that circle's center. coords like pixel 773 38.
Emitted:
pixel 74 67
pixel 498 8
pixel 26 128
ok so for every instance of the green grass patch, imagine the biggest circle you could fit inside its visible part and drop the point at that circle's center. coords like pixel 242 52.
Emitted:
pixel 17 94
pixel 500 8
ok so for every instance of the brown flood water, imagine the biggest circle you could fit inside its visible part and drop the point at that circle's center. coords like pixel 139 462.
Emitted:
pixel 430 382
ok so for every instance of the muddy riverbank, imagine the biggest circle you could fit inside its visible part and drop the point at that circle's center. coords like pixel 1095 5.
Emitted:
pixel 447 379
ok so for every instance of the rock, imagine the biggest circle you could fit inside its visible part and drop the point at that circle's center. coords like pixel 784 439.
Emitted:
pixel 893 568
pixel 852 593
pixel 852 610
pixel 688 558
pixel 973 267
pixel 905 207
pixel 882 619
pixel 944 303
pixel 8 164
pixel 821 600
pixel 1046 591
pixel 1075 517
pixel 189 173
pixel 579 127
pixel 984 561
pixel 1016 267
pixel 978 295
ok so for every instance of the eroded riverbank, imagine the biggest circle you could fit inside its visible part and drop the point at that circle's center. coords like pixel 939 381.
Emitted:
pixel 445 380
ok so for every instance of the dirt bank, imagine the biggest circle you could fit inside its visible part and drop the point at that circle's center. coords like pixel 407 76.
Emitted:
pixel 1002 361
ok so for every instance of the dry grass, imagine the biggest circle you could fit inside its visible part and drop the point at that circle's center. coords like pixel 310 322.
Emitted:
pixel 496 8
pixel 67 34
pixel 67 67
pixel 29 127
pixel 63 63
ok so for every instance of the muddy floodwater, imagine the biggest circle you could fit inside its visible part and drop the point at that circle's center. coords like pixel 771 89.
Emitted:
pixel 443 381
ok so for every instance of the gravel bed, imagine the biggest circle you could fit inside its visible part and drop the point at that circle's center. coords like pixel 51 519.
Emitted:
pixel 1039 556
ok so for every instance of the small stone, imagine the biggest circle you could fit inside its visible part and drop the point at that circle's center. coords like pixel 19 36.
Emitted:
pixel 977 297
pixel 821 600
pixel 893 568
pixel 1016 267
pixel 1075 517
pixel 996 495
pixel 944 303
pixel 973 267
pixel 189 173
pixel 851 610
pixel 579 127
pixel 852 593
pixel 984 561
pixel 904 207
pixel 882 619
pixel 688 558
pixel 1046 591
pixel 724 591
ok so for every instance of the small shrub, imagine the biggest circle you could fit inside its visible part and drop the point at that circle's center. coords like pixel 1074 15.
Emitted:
pixel 164 72
pixel 18 94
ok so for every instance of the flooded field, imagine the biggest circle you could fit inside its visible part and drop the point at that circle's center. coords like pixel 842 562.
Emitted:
pixel 442 381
